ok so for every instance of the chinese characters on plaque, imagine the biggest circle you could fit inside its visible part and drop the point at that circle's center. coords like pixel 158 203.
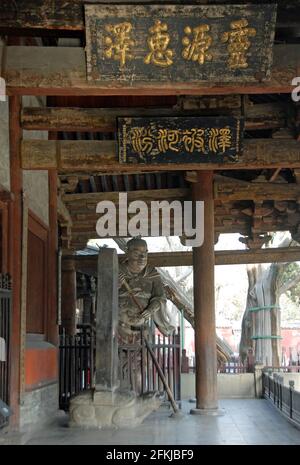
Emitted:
pixel 180 140
pixel 179 43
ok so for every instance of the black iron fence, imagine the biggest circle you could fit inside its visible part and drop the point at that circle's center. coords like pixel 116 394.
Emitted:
pixel 284 398
pixel 136 368
pixel 76 364
pixel 5 312
pixel 138 371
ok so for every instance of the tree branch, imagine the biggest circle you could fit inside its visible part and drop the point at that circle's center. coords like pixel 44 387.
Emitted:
pixel 289 284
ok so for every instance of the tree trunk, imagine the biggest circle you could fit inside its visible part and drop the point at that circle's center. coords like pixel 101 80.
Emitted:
pixel 261 326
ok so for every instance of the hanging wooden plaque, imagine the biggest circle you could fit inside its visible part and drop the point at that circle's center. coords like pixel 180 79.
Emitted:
pixel 126 44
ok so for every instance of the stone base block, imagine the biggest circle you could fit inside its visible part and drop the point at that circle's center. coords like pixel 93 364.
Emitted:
pixel 216 412
pixel 106 409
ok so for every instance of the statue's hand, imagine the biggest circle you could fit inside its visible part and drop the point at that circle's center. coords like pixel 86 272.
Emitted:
pixel 152 308
pixel 146 313
pixel 122 278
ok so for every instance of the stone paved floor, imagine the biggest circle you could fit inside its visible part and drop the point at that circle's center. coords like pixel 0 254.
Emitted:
pixel 247 421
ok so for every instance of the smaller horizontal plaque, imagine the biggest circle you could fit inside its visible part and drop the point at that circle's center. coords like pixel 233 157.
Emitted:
pixel 180 140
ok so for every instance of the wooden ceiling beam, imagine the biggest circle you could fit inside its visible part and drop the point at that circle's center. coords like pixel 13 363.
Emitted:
pixel 68 15
pixel 229 191
pixel 146 195
pixel 62 71
pixel 258 116
pixel 100 157
pixel 225 190
pixel 88 264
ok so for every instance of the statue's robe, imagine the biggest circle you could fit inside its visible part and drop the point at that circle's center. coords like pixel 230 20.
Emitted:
pixel 148 290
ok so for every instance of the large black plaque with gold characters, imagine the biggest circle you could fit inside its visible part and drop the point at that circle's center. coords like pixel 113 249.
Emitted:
pixel 180 140
pixel 128 44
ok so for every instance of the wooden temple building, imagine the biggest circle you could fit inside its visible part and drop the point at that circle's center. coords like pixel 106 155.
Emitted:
pixel 59 157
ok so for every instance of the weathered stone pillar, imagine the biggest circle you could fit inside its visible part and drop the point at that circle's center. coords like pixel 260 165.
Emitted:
pixel 87 309
pixel 68 296
pixel 107 321
pixel 204 303
pixel 258 380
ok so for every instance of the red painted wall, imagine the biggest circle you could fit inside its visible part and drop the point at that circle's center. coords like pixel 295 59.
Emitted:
pixel 41 367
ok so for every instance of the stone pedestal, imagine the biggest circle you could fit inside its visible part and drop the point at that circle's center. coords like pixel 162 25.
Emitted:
pixel 105 409
pixel 214 412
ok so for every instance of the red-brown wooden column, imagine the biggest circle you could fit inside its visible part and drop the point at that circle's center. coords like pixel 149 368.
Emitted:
pixel 15 252
pixel 68 296
pixel 204 302
pixel 52 328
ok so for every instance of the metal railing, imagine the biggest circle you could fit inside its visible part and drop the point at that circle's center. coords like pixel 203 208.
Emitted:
pixel 76 364
pixel 136 368
pixel 5 315
pixel 285 398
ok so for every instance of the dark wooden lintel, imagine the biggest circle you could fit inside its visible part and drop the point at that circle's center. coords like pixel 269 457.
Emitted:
pixel 30 70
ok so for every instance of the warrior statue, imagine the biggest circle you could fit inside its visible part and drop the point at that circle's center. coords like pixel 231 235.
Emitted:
pixel 141 295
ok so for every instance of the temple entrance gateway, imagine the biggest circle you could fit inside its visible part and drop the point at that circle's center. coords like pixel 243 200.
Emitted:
pixel 127 99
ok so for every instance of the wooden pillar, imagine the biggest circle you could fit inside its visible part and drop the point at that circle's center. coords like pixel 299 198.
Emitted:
pixel 52 328
pixel 68 296
pixel 15 253
pixel 204 302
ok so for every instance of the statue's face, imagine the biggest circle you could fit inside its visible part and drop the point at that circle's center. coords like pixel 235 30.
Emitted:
pixel 137 258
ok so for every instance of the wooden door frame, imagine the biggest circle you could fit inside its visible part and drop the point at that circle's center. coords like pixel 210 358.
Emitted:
pixel 4 235
pixel 37 227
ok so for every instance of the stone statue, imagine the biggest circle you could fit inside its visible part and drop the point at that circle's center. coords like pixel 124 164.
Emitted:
pixel 146 288
pixel 110 405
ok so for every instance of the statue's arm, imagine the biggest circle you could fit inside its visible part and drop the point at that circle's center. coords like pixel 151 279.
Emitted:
pixel 158 298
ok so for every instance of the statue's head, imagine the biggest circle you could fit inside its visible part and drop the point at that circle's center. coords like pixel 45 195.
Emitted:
pixel 137 252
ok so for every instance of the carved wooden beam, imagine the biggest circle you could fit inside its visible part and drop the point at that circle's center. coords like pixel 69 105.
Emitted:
pixel 62 71
pixel 100 157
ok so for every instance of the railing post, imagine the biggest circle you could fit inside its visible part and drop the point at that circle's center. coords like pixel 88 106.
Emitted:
pixel 275 388
pixel 292 386
pixel 280 391
pixel 258 380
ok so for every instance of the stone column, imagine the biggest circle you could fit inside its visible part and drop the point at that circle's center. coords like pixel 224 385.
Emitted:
pixel 204 303
pixel 258 380
pixel 107 321
pixel 87 309
pixel 68 296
